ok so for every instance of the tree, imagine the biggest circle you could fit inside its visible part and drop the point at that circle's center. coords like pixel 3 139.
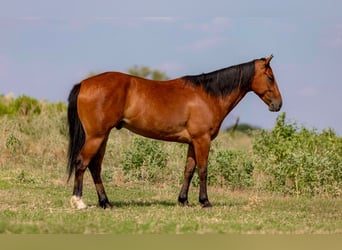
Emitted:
pixel 142 71
pixel 146 72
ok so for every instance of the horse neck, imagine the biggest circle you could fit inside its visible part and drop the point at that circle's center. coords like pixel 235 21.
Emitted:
pixel 228 102
pixel 226 86
pixel 241 76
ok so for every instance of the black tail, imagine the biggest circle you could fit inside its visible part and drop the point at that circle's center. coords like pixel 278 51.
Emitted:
pixel 76 131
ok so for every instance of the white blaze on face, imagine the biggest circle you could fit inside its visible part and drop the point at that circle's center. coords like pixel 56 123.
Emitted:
pixel 77 202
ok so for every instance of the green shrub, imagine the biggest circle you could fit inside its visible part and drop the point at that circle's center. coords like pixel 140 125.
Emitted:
pixel 4 109
pixel 14 144
pixel 26 106
pixel 235 167
pixel 144 160
pixel 23 106
pixel 299 161
pixel 232 169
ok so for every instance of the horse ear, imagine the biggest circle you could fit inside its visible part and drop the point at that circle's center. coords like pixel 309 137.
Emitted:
pixel 268 60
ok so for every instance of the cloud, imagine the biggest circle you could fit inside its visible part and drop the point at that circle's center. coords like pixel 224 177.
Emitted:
pixel 212 31
pixel 15 23
pixel 29 18
pixel 221 23
pixel 129 21
pixel 166 19
pixel 333 37
pixel 336 41
pixel 215 25
pixel 207 43
pixel 308 92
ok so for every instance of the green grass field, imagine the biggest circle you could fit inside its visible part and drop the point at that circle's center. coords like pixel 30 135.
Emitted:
pixel 146 209
pixel 35 194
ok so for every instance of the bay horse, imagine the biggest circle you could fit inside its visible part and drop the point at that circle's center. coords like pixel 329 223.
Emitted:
pixel 188 110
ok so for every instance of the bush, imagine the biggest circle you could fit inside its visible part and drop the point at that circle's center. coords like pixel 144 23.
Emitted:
pixel 14 144
pixel 299 161
pixel 144 160
pixel 23 106
pixel 26 106
pixel 234 168
pixel 231 169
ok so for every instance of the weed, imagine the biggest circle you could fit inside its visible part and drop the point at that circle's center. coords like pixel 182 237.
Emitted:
pixel 24 178
pixel 144 159
pixel 13 144
pixel 236 169
pixel 108 175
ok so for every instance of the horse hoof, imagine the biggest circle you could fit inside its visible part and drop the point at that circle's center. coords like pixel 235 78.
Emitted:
pixel 77 202
pixel 207 204
pixel 106 206
pixel 183 202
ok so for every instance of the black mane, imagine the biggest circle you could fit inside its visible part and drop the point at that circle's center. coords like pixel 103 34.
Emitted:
pixel 224 81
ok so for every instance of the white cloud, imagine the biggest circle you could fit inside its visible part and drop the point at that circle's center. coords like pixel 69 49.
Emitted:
pixel 307 92
pixel 221 23
pixel 336 42
pixel 159 19
pixel 334 37
pixel 217 24
pixel 136 19
pixel 30 18
pixel 207 43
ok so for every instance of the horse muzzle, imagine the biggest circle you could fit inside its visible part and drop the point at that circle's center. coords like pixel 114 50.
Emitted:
pixel 275 105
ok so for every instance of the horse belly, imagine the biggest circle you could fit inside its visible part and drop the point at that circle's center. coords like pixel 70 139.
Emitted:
pixel 161 127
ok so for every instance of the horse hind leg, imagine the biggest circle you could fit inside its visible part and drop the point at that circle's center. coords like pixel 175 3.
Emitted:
pixel 89 150
pixel 76 199
pixel 95 170
pixel 77 202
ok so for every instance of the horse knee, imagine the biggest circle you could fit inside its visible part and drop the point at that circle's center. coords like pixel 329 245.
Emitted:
pixel 203 173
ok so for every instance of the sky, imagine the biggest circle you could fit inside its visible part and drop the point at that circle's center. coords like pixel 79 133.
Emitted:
pixel 48 46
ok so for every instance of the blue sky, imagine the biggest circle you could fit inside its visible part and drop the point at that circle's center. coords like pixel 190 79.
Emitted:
pixel 47 46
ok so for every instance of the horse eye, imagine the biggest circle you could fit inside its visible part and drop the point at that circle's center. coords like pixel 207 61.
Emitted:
pixel 270 77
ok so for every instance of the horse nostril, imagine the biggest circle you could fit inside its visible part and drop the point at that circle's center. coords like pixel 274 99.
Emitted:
pixel 275 106
pixel 279 104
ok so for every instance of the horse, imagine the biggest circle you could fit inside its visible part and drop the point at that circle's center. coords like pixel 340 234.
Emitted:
pixel 188 110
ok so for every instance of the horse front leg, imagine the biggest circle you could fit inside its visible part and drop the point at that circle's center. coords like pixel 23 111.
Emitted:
pixel 188 174
pixel 203 196
pixel 201 147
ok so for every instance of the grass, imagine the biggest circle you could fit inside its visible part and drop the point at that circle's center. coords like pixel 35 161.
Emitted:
pixel 150 209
